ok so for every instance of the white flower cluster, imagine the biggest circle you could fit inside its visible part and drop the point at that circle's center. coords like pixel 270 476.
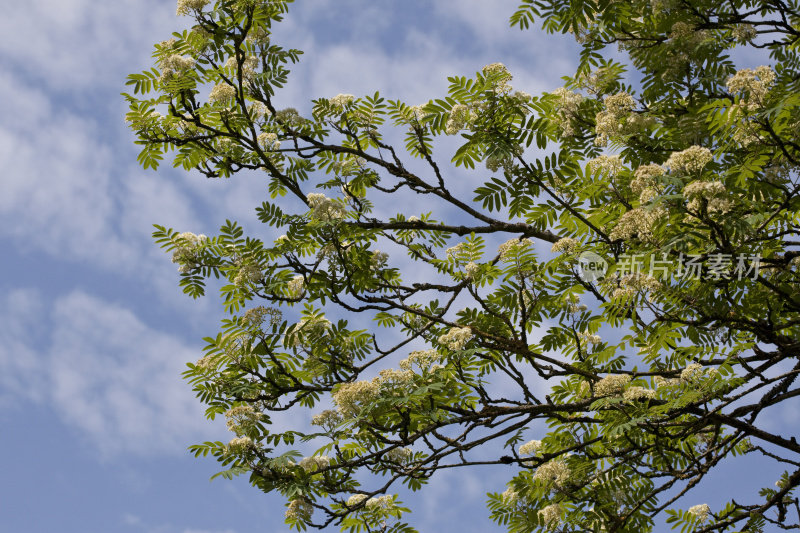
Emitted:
pixel 512 246
pixel 684 40
pixel 349 167
pixel 356 499
pixel 610 165
pixel 471 270
pixel 612 384
pixel 340 101
pixel 378 503
pixel 662 6
pixel 638 393
pixel 268 141
pixel 646 176
pixel 574 305
pixel 222 93
pixel 456 338
pixel 169 44
pixel 398 455
pixel 700 511
pixel 689 161
pixel 638 222
pixel 688 35
pixel 587 338
pixel 618 118
pixel 509 497
pixel 423 359
pixel 314 463
pixel 744 33
pixel 567 245
pixel 186 253
pixel 551 515
pixel 417 113
pixel 296 287
pixel 752 84
pixel 597 81
pixel 555 472
pixel 692 373
pixel 532 447
pixel 311 325
pixel 379 259
pixel 239 445
pixel 207 363
pixel 249 66
pixel 454 251
pixel 257 315
pixel 459 117
pixel 391 378
pixel 713 193
pixel 241 418
pixel 247 274
pixel 258 35
pixel 567 110
pixel 504 76
pixel 325 209
pixel 350 397
pixel 174 65
pixel 663 382
pixel 328 418
pixel 496 162
pixel 299 509
pixel 632 284
pixel 185 7
pixel 259 110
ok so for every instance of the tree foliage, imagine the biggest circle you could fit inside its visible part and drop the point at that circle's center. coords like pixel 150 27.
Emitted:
pixel 674 165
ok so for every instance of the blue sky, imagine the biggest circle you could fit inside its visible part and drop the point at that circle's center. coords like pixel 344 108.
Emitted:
pixel 94 331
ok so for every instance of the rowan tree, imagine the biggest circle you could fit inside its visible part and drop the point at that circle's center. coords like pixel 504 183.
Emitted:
pixel 630 335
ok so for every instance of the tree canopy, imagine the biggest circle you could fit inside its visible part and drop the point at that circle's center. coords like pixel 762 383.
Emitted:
pixel 637 324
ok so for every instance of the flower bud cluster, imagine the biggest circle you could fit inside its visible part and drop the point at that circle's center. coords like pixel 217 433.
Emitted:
pixel 187 252
pixel 752 84
pixel 567 245
pixel 532 447
pixel 222 93
pixel 612 385
pixel 256 316
pixel 566 107
pixel 713 193
pixel 325 209
pixel 456 338
pixel 551 515
pixel 340 101
pixel 241 418
pixel 555 472
pixel 459 118
pixel 314 463
pixel 609 165
pixel 299 509
pixel 689 161
pixel 185 7
pixel 513 246
pixel 618 119
pixel 268 141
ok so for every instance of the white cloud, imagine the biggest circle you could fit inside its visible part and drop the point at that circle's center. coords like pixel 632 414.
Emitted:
pixel 132 520
pixel 103 371
pixel 22 316
pixel 74 45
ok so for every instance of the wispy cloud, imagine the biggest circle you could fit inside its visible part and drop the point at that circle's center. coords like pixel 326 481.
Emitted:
pixel 105 372
pixel 135 521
